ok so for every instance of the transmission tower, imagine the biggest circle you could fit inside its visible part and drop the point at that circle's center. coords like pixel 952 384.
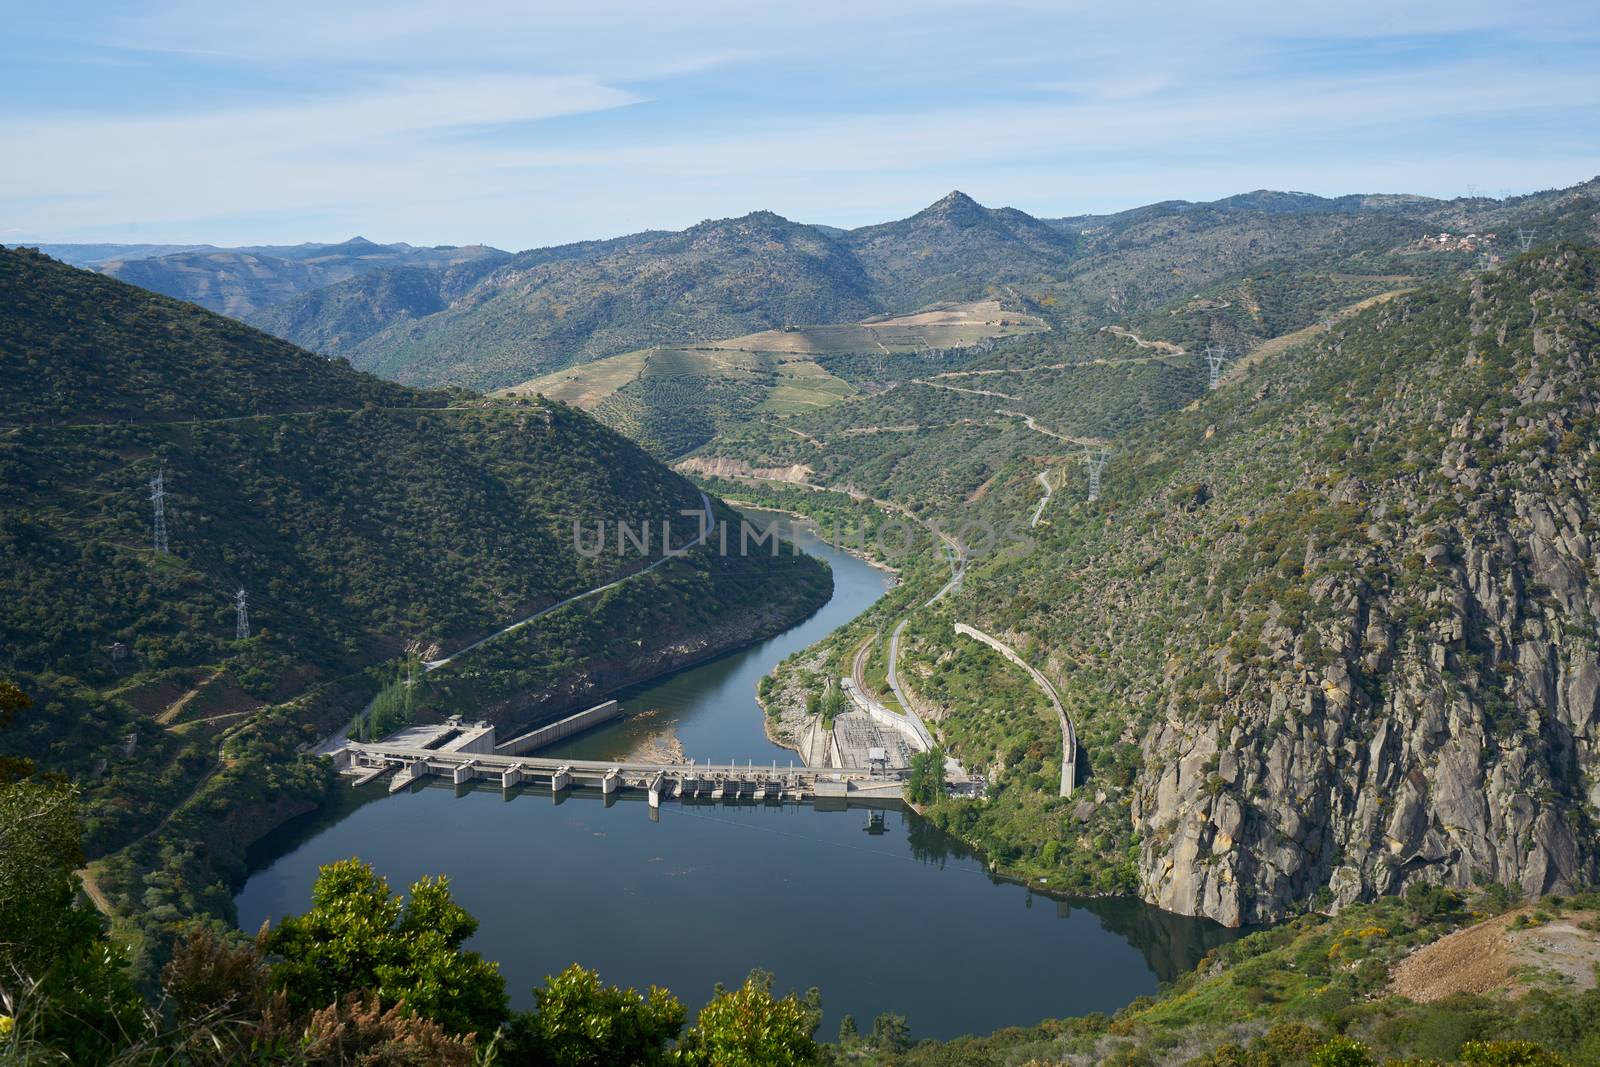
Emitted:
pixel 241 628
pixel 158 498
pixel 1216 359
pixel 1095 459
pixel 1525 237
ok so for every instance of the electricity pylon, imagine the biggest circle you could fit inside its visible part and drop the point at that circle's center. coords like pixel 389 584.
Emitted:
pixel 1096 461
pixel 1216 359
pixel 158 498
pixel 241 629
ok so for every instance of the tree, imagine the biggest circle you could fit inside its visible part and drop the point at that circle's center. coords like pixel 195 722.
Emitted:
pixel 891 1033
pixel 13 702
pixel 581 1022
pixel 58 972
pixel 1342 1052
pixel 925 782
pixel 832 703
pixel 848 1034
pixel 1507 1054
pixel 749 1027
pixel 358 937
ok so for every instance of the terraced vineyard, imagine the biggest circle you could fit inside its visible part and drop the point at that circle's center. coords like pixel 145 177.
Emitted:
pixel 674 399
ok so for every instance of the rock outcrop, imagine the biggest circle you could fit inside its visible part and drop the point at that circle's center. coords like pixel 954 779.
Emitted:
pixel 1431 711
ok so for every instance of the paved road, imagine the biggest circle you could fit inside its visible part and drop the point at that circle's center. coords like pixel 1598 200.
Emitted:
pixel 894 664
pixel 705 529
pixel 1032 424
pixel 1069 738
pixel 1038 511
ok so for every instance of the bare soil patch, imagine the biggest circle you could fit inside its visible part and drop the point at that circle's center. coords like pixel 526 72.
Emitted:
pixel 1474 960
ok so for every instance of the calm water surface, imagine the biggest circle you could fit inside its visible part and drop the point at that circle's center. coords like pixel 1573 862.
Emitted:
pixel 874 907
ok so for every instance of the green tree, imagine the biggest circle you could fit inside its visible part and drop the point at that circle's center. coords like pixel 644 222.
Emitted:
pixel 582 1022
pixel 358 937
pixel 1342 1052
pixel 832 703
pixel 1508 1054
pixel 13 702
pixel 58 973
pixel 925 782
pixel 848 1034
pixel 891 1033
pixel 749 1027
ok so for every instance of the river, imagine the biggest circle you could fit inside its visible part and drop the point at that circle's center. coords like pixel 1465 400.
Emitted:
pixel 875 907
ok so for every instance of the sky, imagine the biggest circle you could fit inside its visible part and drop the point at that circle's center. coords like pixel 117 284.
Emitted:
pixel 537 122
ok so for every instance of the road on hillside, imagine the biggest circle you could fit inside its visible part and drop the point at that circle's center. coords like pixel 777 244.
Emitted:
pixel 1069 737
pixel 705 529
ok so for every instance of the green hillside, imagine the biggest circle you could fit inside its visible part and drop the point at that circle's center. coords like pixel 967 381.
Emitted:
pixel 717 279
pixel 1358 576
pixel 362 519
pixel 78 347
pixel 674 399
pixel 1320 990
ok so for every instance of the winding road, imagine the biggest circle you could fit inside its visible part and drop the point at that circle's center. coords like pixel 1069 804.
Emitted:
pixel 1069 738
pixel 1038 511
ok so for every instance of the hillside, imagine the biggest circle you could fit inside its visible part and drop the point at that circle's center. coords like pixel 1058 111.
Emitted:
pixel 242 281
pixel 1354 578
pixel 1235 271
pixel 335 319
pixel 957 249
pixel 365 522
pixel 717 279
pixel 674 399
pixel 1358 576
pixel 79 347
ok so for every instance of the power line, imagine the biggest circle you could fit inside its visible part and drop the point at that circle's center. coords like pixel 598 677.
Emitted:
pixel 241 628
pixel 1525 237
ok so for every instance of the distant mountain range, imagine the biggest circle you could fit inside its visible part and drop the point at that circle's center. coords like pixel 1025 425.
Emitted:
pixel 243 281
pixel 482 318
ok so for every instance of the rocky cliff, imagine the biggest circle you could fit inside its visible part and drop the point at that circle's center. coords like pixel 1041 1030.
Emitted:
pixel 1345 609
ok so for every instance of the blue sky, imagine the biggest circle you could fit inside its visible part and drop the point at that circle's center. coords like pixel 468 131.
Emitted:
pixel 530 123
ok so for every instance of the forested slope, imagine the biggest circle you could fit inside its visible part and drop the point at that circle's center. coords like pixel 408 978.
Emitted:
pixel 1343 610
pixel 362 520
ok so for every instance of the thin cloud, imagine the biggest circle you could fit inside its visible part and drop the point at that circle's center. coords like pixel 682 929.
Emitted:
pixel 523 124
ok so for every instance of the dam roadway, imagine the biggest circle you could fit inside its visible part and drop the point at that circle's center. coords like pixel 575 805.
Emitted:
pixel 716 781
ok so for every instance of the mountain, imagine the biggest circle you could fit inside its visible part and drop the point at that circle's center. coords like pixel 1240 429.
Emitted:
pixel 75 351
pixel 1321 633
pixel 674 399
pixel 1134 262
pixel 1326 634
pixel 550 308
pixel 957 249
pixel 92 255
pixel 241 281
pixel 364 522
pixel 335 319
pixel 540 312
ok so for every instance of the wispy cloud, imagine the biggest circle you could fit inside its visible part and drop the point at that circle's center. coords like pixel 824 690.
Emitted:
pixel 523 123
